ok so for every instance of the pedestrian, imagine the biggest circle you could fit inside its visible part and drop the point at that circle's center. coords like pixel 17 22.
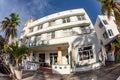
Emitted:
pixel 104 55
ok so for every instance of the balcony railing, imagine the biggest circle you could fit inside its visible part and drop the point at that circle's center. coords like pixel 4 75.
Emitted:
pixel 83 21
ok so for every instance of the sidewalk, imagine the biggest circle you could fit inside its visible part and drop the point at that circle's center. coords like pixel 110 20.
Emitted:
pixel 4 77
pixel 109 72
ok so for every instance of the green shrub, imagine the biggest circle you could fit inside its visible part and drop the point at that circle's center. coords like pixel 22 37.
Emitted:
pixel 118 56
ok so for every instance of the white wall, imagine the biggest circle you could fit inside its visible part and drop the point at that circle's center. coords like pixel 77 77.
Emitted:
pixel 45 25
pixel 72 14
pixel 111 25
pixel 47 57
pixel 77 41
pixel 58 16
pixel 35 28
pixel 58 21
pixel 73 18
pixel 44 36
pixel 58 33
pixel 77 30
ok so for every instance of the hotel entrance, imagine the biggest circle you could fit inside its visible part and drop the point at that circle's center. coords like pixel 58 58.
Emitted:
pixel 53 58
pixel 42 59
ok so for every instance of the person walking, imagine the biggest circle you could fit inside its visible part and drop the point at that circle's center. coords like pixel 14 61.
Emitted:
pixel 103 54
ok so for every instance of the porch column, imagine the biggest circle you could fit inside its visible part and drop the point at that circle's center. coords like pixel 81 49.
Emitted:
pixel 59 55
pixel 31 55
pixel 70 55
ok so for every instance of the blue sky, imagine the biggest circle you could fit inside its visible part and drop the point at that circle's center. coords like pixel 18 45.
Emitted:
pixel 41 8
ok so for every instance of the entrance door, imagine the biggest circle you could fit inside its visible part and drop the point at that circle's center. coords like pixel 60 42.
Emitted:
pixel 42 59
pixel 53 58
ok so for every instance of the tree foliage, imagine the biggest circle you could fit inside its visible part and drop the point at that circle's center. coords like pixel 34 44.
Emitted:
pixel 9 26
pixel 1 42
pixel 16 51
pixel 109 6
pixel 117 48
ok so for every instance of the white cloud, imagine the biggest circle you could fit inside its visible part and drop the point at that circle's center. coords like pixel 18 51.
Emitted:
pixel 38 7
pixel 23 8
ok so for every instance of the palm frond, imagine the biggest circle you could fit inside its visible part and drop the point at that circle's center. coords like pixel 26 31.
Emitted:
pixel 17 51
pixel 109 11
pixel 9 26
pixel 109 6
pixel 117 43
pixel 117 17
pixel 103 9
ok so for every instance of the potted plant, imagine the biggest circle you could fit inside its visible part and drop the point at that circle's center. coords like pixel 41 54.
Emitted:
pixel 17 52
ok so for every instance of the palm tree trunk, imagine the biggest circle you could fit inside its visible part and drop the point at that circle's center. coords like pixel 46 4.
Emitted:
pixel 17 64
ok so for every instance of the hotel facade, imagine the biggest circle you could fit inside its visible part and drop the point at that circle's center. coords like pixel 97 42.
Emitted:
pixel 61 40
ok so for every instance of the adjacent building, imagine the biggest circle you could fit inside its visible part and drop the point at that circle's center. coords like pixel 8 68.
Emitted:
pixel 63 40
pixel 107 32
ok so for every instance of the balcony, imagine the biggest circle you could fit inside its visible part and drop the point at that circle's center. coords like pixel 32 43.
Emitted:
pixel 60 26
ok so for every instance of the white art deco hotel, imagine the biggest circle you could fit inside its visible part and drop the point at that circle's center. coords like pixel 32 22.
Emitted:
pixel 62 39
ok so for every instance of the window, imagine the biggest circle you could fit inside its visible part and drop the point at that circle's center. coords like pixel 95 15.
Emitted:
pixel 52 23
pixel 31 29
pixel 65 20
pixel 26 41
pixel 43 42
pixel 85 30
pixel 42 59
pixel 48 35
pixel 38 38
pixel 105 22
pixel 105 35
pixel 33 40
pixel 81 17
pixel 40 26
pixel 68 19
pixel 88 30
pixel 85 53
pixel 53 58
pixel 114 21
pixel 29 41
pixel 110 32
pixel 53 35
pixel 100 25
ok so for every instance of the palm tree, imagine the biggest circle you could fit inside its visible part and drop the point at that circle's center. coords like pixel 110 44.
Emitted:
pixel 9 26
pixel 116 44
pixel 109 6
pixel 16 51
pixel 1 43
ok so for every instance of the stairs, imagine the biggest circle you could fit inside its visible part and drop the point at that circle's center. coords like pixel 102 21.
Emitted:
pixel 45 70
